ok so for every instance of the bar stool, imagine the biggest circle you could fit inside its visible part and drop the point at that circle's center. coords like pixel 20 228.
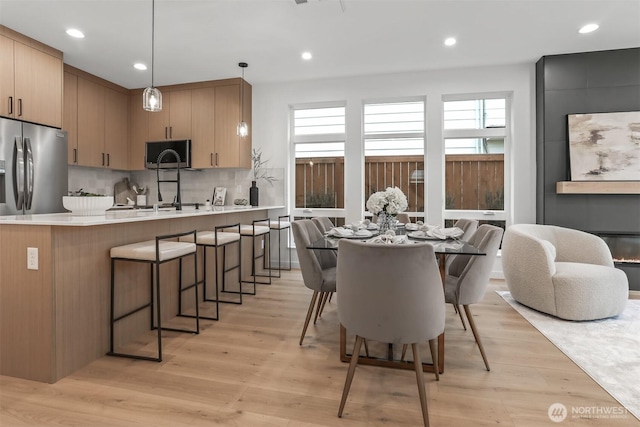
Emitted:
pixel 153 252
pixel 259 229
pixel 279 226
pixel 216 239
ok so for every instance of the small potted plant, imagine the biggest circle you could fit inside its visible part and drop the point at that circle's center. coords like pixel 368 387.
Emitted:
pixel 259 173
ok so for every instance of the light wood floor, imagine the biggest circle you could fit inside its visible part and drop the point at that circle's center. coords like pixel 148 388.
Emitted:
pixel 248 370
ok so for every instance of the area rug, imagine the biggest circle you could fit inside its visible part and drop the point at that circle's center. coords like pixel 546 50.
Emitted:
pixel 615 366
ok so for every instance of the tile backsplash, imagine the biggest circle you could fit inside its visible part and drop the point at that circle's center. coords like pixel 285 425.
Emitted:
pixel 196 185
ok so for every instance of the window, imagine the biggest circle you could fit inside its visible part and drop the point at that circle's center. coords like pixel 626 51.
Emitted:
pixel 475 134
pixel 319 139
pixel 394 149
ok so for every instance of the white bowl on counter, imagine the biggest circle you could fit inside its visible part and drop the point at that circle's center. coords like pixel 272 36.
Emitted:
pixel 87 205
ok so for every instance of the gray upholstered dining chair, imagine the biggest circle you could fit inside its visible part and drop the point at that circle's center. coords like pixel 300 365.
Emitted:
pixel 468 276
pixel 318 267
pixel 403 217
pixel 391 294
pixel 323 223
pixel 468 226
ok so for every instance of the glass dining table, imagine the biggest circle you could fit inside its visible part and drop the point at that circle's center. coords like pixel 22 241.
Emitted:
pixel 442 248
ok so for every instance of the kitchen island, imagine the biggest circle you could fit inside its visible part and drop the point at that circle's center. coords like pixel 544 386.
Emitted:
pixel 55 320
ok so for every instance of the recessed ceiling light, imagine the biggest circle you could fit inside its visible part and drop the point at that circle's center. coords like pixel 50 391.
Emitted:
pixel 589 28
pixel 306 55
pixel 75 33
pixel 139 66
pixel 450 41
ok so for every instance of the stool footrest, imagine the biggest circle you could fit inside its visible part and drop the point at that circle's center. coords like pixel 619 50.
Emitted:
pixel 134 356
pixel 135 310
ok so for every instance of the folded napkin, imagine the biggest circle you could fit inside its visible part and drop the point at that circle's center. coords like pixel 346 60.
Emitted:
pixel 436 232
pixel 363 233
pixel 411 226
pixel 389 239
pixel 340 232
pixel 347 232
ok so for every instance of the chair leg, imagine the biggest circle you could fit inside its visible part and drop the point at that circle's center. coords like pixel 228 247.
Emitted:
pixel 460 314
pixel 404 352
pixel 309 312
pixel 476 335
pixel 434 357
pixel 366 348
pixel 324 302
pixel 417 362
pixel 350 373
pixel 315 319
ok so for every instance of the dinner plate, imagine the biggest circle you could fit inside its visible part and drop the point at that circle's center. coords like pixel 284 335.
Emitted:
pixel 358 237
pixel 413 236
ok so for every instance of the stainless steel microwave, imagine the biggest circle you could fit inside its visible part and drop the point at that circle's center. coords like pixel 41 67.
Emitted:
pixel 156 149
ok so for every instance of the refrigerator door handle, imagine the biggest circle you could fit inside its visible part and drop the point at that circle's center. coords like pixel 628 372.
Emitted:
pixel 29 173
pixel 18 173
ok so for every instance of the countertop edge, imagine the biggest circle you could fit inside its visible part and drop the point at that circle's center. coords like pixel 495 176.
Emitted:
pixel 117 217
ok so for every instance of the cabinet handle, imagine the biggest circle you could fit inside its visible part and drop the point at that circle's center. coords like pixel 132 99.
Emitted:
pixel 170 132
pixel 19 107
pixel 11 105
pixel 216 159
pixel 102 159
pixel 211 159
pixel 165 133
pixel 75 155
pixel 108 160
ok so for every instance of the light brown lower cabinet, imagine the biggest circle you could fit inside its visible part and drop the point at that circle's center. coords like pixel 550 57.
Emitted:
pixel 55 320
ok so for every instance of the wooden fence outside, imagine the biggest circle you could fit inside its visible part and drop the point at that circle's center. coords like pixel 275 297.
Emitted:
pixel 473 181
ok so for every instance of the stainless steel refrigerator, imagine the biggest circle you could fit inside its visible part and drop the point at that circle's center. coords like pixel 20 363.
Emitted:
pixel 33 168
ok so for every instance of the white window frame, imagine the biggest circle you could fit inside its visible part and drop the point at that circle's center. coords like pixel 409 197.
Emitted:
pixel 506 132
pixel 414 135
pixel 310 212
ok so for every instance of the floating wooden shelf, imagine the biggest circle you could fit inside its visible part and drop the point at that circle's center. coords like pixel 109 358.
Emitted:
pixel 598 187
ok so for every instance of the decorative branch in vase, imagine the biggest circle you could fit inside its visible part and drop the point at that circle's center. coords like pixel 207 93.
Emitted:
pixel 259 173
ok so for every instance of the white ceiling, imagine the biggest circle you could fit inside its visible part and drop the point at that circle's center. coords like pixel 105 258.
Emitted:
pixel 205 39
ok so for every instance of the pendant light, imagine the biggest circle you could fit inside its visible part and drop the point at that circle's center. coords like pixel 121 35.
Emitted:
pixel 243 127
pixel 151 97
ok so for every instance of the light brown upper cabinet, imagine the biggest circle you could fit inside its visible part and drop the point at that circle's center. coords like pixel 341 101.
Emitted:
pixel 70 116
pixel 31 76
pixel 116 129
pixel 174 120
pixel 232 151
pixel 203 151
pixel 96 118
pixel 138 130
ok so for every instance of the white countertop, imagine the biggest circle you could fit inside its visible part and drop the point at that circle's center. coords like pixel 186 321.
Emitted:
pixel 122 216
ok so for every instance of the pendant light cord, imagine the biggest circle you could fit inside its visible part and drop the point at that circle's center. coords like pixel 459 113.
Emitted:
pixel 153 36
pixel 242 97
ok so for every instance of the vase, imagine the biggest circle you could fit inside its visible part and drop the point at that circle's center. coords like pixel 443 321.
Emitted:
pixel 254 194
pixel 386 222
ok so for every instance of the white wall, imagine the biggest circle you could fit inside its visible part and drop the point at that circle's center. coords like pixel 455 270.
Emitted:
pixel 271 125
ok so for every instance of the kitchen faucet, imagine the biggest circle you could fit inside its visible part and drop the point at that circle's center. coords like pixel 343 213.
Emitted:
pixel 178 202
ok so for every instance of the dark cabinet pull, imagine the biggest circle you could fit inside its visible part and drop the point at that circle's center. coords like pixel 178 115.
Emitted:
pixel 11 105
pixel 165 133
pixel 216 159
pixel 75 155
pixel 102 159
pixel 170 132
pixel 19 107
pixel 108 160
pixel 211 159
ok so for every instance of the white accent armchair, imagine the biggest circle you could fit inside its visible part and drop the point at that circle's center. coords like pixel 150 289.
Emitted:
pixel 563 272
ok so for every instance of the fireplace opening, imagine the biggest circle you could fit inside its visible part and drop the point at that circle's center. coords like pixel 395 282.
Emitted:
pixel 625 248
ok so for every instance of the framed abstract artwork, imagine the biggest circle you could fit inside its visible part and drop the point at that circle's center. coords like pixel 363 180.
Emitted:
pixel 219 194
pixel 604 146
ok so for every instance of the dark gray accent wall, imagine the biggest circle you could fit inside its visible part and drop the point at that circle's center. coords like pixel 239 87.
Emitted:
pixel 591 82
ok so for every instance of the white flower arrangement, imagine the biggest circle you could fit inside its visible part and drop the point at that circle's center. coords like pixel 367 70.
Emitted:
pixel 392 201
